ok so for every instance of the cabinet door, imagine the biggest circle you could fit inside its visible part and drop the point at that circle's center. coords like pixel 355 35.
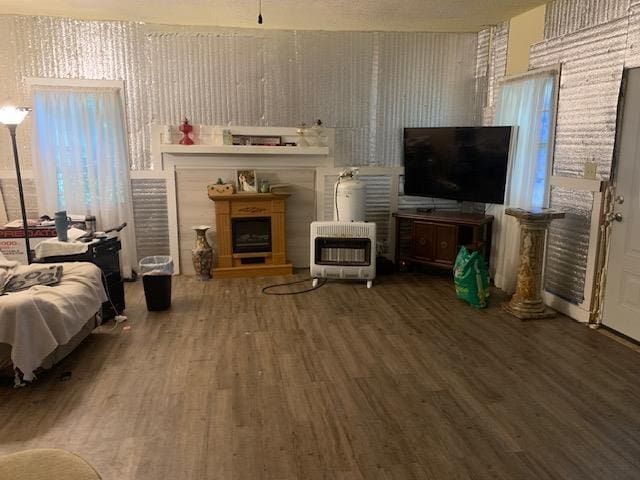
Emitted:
pixel 446 240
pixel 423 235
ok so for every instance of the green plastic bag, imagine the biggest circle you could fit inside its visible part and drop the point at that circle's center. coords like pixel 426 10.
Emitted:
pixel 471 278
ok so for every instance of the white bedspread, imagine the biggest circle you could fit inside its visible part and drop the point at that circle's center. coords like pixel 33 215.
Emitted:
pixel 35 321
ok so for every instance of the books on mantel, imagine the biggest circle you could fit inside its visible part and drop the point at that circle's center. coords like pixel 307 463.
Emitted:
pixel 279 188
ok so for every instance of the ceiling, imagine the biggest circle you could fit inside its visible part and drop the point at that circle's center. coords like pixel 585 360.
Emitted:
pixel 371 15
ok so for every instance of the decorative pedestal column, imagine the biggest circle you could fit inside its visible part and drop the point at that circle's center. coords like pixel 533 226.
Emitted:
pixel 526 303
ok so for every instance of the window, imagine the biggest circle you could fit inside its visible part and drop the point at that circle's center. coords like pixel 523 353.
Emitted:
pixel 527 102
pixel 80 157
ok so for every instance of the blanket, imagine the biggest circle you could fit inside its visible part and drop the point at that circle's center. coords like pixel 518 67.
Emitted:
pixel 36 321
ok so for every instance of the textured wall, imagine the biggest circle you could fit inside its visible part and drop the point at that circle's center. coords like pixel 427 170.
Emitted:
pixel 367 85
pixel 491 67
pixel 568 244
pixel 568 16
pixel 592 64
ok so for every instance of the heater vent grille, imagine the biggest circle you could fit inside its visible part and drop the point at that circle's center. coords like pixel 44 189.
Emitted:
pixel 341 230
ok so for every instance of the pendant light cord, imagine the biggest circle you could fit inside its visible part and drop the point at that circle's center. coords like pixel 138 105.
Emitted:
pixel 260 12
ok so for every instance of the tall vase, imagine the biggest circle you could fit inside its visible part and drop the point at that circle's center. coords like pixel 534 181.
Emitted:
pixel 202 253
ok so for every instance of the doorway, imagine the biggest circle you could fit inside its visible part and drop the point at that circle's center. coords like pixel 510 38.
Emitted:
pixel 622 292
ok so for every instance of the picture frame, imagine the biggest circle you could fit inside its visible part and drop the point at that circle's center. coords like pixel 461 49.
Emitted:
pixel 260 140
pixel 241 140
pixel 267 140
pixel 247 181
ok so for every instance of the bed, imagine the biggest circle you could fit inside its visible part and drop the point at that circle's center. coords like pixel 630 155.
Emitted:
pixel 41 325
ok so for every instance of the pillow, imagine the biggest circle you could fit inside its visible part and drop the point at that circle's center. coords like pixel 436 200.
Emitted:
pixel 48 275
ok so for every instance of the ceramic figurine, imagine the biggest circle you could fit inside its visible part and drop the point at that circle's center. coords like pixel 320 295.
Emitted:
pixel 202 253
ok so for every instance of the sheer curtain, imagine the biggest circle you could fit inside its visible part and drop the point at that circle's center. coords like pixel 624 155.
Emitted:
pixel 527 103
pixel 80 158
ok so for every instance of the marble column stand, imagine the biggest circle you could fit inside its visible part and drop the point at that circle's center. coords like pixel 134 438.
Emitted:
pixel 526 303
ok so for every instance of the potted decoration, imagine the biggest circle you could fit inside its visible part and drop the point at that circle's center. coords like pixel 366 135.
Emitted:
pixel 219 188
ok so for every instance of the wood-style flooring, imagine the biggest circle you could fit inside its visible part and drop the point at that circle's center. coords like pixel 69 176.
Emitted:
pixel 402 381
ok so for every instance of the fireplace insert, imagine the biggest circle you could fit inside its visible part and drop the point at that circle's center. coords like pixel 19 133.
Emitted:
pixel 343 251
pixel 251 235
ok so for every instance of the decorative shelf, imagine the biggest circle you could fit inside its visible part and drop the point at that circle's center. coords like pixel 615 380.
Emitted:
pixel 243 150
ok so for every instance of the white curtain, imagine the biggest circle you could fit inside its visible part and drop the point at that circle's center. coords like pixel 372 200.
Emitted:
pixel 529 104
pixel 80 158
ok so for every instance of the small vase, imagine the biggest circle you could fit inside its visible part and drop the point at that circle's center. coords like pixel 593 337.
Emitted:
pixel 202 253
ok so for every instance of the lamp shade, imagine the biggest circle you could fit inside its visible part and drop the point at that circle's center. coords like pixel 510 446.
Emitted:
pixel 13 115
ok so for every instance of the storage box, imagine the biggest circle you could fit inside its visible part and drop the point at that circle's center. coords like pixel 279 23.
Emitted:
pixel 218 189
pixel 12 243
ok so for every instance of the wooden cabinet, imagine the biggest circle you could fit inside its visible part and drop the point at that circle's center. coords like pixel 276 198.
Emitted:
pixel 435 238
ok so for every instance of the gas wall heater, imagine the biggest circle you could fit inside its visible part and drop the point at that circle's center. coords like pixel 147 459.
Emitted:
pixel 345 250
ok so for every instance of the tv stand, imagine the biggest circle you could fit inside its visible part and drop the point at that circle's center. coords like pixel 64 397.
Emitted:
pixel 434 238
pixel 425 209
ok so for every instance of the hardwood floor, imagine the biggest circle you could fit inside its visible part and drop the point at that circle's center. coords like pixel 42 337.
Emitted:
pixel 402 381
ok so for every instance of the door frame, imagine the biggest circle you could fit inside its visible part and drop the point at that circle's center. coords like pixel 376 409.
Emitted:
pixel 608 208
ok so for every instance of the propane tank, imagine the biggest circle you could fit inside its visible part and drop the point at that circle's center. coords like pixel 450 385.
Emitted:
pixel 349 197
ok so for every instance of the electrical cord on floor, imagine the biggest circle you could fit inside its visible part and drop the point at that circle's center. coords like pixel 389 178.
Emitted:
pixel 117 317
pixel 322 282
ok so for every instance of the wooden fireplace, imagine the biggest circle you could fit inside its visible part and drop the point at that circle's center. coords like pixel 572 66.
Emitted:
pixel 251 235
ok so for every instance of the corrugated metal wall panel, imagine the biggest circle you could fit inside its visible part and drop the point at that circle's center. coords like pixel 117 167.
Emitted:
pixel 568 244
pixel 150 216
pixel 563 17
pixel 497 68
pixel 212 78
pixel 367 85
pixel 482 73
pixel 424 80
pixel 633 41
pixel 592 64
pixel 334 84
pixel 63 48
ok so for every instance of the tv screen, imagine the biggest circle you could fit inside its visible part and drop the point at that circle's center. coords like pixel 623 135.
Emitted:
pixel 460 163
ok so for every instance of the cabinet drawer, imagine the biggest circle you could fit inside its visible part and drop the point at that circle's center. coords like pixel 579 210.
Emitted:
pixel 446 240
pixel 423 236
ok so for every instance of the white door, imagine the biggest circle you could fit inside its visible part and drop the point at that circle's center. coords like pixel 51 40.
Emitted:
pixel 622 293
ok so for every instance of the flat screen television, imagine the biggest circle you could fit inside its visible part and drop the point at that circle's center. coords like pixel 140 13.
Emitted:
pixel 459 163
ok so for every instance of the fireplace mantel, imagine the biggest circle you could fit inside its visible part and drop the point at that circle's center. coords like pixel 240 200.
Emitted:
pixel 209 154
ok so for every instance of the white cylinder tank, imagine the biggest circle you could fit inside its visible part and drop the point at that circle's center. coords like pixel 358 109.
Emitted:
pixel 350 200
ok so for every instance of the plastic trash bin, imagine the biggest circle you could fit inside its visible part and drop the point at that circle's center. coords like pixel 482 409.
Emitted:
pixel 156 274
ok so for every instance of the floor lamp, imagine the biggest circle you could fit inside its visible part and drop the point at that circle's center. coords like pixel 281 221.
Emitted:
pixel 12 117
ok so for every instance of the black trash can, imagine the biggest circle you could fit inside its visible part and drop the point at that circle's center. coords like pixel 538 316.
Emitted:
pixel 156 274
